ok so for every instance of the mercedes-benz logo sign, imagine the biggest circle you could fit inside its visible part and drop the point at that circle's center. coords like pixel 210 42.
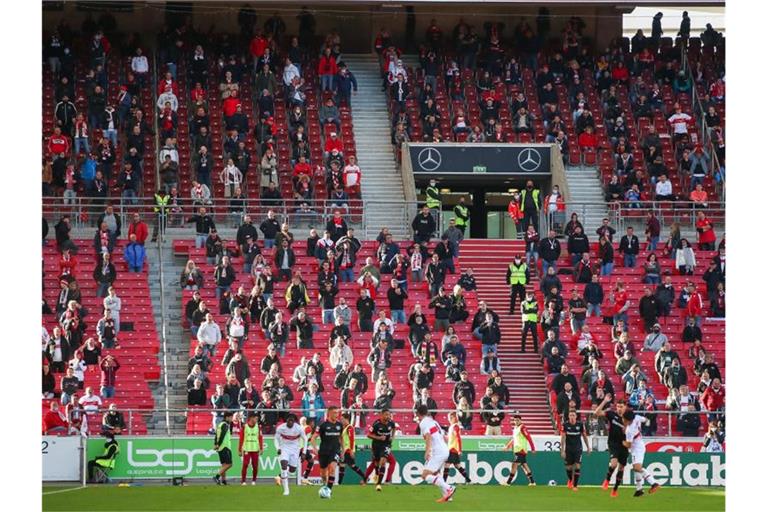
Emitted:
pixel 429 159
pixel 529 159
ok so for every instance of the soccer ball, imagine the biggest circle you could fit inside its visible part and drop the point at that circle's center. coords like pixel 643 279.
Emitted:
pixel 552 483
pixel 324 493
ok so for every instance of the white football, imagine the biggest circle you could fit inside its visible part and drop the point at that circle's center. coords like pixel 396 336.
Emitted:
pixel 552 483
pixel 324 492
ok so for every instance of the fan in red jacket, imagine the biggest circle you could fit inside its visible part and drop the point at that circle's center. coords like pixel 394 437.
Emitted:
pixel 333 142
pixel 58 143
pixel 713 398
pixel 198 93
pixel 257 46
pixel 229 107
pixel 327 64
pixel 695 304
pixel 587 139
pixel 706 230
pixel 138 228
pixel 54 421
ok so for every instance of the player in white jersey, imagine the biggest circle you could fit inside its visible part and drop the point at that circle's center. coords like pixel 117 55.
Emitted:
pixel 634 441
pixel 289 439
pixel 435 454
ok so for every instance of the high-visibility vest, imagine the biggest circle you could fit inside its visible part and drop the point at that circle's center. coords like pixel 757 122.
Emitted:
pixel 517 274
pixel 347 440
pixel 454 439
pixel 433 197
pixel 535 198
pixel 462 214
pixel 161 202
pixel 251 438
pixel 530 311
pixel 520 442
pixel 105 462
pixel 227 441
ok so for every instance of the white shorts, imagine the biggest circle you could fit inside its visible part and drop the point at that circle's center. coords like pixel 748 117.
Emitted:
pixel 436 461
pixel 638 455
pixel 291 457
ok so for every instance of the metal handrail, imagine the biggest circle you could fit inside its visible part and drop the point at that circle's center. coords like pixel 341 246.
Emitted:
pixel 586 413
pixel 698 112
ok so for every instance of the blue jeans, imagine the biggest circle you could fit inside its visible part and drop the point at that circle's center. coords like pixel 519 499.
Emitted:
pixel 575 258
pixel 488 348
pixel 545 266
pixel 130 196
pixel 398 316
pixel 107 391
pixel 220 290
pixel 532 256
pixel 327 316
pixel 135 269
pixel 347 275
pixel 82 142
pixel 108 342
pixel 200 240
pixel 620 316
pixel 476 334
pixel 112 136
pixel 654 241
pixel 247 267
pixel 606 269
pixel 269 243
pixel 630 260
pixel 652 279
pixel 417 276
pixel 326 82
pixel 65 398
pixel 102 289
pixel 594 309
pixel 576 325
pixel 172 68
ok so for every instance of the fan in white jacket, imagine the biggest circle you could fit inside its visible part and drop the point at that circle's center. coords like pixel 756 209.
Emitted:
pixel 169 97
pixel 209 333
pixel 340 354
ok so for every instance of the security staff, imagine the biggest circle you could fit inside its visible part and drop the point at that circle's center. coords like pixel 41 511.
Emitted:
pixel 530 311
pixel 517 278
pixel 530 204
pixel 433 200
pixel 107 459
pixel 462 215
pixel 161 211
pixel 250 445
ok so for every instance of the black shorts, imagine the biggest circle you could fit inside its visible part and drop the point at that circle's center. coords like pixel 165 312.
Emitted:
pixel 325 459
pixel 521 458
pixel 380 452
pixel 348 459
pixel 225 456
pixel 619 452
pixel 453 458
pixel 572 457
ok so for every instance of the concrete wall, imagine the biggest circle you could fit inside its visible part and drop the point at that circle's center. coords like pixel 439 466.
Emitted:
pixel 357 22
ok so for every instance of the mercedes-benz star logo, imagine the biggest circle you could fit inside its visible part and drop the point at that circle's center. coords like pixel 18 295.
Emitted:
pixel 429 159
pixel 529 159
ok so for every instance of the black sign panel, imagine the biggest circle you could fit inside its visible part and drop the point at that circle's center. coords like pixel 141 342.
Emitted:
pixel 502 159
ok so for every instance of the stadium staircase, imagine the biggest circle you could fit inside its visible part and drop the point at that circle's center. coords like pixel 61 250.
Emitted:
pixel 381 180
pixel 177 351
pixel 522 372
pixel 586 197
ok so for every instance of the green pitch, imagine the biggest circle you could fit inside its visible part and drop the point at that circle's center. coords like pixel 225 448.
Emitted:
pixel 393 498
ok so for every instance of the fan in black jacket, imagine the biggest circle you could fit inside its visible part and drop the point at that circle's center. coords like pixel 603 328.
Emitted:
pixel 549 250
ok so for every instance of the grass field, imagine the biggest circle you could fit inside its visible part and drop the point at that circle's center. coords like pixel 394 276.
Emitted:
pixel 393 498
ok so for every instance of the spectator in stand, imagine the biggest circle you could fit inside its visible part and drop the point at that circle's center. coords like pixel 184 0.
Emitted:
pixel 685 258
pixel 113 421
pixel 621 303
pixel 134 254
pixel 104 274
pixel 578 244
pixel 55 421
pixel 706 232
pixel 327 69
pixel 713 400
pixel 664 189
pixel 679 122
pixel 629 247
pixel 549 250
pixel 90 402
pixel 652 270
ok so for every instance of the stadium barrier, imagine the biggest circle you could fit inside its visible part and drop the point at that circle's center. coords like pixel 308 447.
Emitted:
pixel 168 458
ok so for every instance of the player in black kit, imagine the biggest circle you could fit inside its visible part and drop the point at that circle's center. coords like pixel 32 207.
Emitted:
pixel 572 433
pixel 329 433
pixel 381 433
pixel 619 452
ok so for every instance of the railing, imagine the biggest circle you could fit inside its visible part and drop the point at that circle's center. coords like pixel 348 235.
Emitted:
pixel 700 116
pixel 632 213
pixel 84 212
pixel 164 330
pixel 398 413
